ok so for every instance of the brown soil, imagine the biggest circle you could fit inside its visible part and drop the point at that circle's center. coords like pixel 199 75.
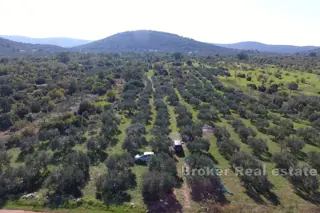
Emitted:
pixel 15 211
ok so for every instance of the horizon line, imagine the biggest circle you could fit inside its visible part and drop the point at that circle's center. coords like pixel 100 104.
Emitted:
pixel 214 43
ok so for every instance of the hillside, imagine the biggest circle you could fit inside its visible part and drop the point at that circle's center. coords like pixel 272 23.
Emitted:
pixel 151 41
pixel 317 51
pixel 59 41
pixel 9 47
pixel 251 45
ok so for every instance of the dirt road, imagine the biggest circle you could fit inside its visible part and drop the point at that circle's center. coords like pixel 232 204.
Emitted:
pixel 15 211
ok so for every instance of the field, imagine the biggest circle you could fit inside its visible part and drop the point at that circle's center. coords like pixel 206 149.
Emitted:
pixel 82 155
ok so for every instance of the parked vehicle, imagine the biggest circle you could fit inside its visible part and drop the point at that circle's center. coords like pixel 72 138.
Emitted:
pixel 177 145
pixel 143 157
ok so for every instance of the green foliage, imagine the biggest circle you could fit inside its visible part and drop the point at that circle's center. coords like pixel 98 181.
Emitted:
pixel 177 56
pixel 157 184
pixel 314 159
pixel 243 56
pixel 293 86
pixel 39 155
pixel 71 176
pixel 86 106
pixel 309 184
pixel 160 144
pixel 4 159
pixel 63 57
pixel 208 114
pixel 111 187
pixel 260 182
pixel 198 145
pixel 295 144
pixel 227 147
pixel 7 120
pixel 259 146
pixel 285 160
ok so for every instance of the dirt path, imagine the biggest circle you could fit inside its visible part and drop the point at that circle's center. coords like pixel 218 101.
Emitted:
pixel 15 211
pixel 186 194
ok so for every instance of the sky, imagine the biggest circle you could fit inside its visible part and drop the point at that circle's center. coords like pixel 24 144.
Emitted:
pixel 295 22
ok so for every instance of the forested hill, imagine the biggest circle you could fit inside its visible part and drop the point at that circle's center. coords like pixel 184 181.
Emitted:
pixel 151 41
pixel 9 47
pixel 251 45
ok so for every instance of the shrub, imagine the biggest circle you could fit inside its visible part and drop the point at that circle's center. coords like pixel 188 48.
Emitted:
pixel 295 144
pixel 252 86
pixel 293 86
pixel 35 107
pixel 227 147
pixel 284 160
pixel 156 184
pixel 241 75
pixel 86 106
pixel 307 183
pixel 40 81
pixel 259 183
pixel 262 88
pixel 243 56
pixel 22 111
pixel 56 93
pixel 198 145
pixel 259 146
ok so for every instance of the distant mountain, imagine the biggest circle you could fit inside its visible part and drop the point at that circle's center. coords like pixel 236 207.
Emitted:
pixel 8 47
pixel 150 41
pixel 251 45
pixel 59 41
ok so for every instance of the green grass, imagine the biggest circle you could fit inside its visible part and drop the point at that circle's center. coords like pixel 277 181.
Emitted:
pixel 230 180
pixel 188 205
pixel 311 87
pixel 282 187
pixel 153 109
pixel 136 193
pixel 189 107
pixel 173 123
pixel 87 205
pixel 139 170
pixel 125 123
pixel 89 191
pixel 101 104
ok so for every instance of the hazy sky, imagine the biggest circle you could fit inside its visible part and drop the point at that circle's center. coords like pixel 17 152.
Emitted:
pixel 220 21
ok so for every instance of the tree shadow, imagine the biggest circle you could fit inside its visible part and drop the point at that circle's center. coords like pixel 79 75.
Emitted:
pixel 55 201
pixel 301 155
pixel 120 199
pixel 254 195
pixel 313 198
pixel 181 154
pixel 266 156
pixel 141 163
pixel 257 195
pixel 168 204
pixel 22 156
pixel 272 197
pixel 212 158
pixel 208 191
pixel 3 202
